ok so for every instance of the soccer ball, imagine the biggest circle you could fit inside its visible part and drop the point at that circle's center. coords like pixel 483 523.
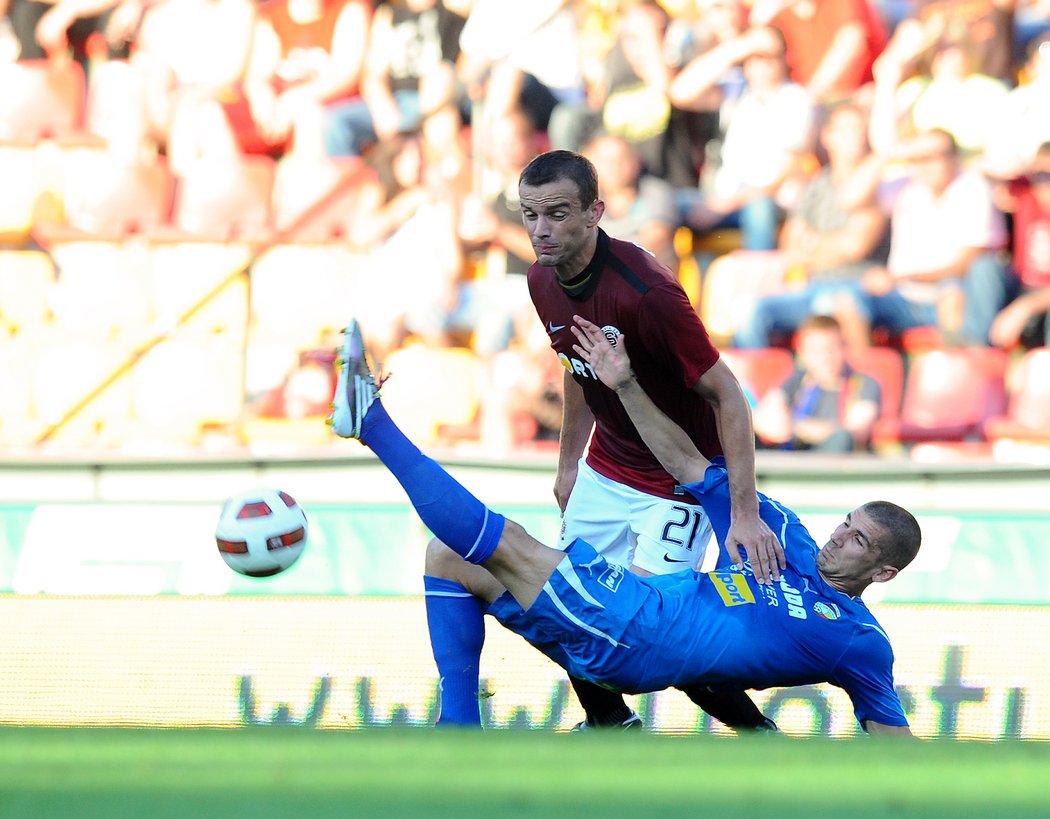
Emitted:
pixel 261 532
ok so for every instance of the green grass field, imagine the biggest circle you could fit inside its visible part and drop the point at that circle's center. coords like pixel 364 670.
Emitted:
pixel 274 772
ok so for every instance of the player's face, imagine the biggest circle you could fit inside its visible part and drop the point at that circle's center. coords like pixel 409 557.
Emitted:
pixel 562 229
pixel 852 553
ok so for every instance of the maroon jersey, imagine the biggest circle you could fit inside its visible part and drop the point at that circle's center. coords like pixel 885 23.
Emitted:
pixel 625 290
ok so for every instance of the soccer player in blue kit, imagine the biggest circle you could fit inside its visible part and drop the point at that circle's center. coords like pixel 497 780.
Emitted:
pixel 634 634
pixel 612 491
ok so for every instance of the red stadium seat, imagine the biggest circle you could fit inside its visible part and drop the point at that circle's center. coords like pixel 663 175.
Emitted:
pixel 40 98
pixel 760 370
pixel 948 396
pixel 1027 417
pixel 887 367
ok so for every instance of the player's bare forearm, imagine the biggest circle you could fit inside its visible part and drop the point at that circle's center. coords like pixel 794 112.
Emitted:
pixel 672 447
pixel 576 424
pixel 736 432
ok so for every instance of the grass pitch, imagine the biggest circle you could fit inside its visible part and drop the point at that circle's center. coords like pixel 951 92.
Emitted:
pixel 289 772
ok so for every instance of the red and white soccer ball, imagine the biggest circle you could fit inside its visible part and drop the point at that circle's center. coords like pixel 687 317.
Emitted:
pixel 261 532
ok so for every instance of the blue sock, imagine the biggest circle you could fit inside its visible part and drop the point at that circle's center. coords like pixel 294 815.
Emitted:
pixel 454 515
pixel 456 620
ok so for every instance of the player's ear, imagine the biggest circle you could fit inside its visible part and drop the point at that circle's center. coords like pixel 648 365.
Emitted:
pixel 884 574
pixel 595 213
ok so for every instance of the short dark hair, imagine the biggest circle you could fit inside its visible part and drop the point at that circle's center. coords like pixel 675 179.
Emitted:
pixel 554 166
pixel 819 321
pixel 899 537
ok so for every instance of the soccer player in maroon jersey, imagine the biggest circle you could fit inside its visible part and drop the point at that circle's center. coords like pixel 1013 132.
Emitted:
pixel 617 496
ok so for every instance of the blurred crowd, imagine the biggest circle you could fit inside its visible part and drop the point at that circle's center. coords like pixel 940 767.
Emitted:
pixel 824 176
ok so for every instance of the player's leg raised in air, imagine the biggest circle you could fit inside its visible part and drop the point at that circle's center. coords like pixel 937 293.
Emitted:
pixel 519 562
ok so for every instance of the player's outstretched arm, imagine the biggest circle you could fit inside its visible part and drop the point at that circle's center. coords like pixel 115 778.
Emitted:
pixel 665 439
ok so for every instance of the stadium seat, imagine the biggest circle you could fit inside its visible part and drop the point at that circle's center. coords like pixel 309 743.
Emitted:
pixel 181 274
pixel 1027 417
pixel 181 387
pixel 299 292
pixel 109 197
pixel 732 284
pixel 17 366
pixel 26 279
pixel 221 200
pixel 886 366
pixel 760 370
pixel 41 98
pixel 431 387
pixel 100 293
pixel 948 396
pixel 314 199
pixel 914 340
pixel 67 372
pixel 23 184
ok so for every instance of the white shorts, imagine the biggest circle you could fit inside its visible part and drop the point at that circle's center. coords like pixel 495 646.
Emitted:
pixel 632 528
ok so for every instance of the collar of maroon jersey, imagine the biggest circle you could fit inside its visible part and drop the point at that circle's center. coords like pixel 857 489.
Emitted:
pixel 583 283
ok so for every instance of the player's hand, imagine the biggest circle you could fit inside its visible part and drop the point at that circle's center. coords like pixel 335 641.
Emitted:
pixel 607 356
pixel 761 546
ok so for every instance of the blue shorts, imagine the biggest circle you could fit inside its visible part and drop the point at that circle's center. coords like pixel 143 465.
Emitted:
pixel 601 623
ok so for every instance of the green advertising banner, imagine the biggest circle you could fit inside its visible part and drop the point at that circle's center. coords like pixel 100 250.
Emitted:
pixel 377 549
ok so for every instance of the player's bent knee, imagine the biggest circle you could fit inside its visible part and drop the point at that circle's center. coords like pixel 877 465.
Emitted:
pixel 441 561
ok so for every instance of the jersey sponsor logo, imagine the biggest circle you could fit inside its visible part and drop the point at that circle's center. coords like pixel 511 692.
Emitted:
pixel 827 611
pixel 611 577
pixel 796 608
pixel 553 328
pixel 732 588
pixel 582 368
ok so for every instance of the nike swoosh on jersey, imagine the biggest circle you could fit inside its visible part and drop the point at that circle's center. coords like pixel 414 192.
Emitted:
pixel 553 328
pixel 670 559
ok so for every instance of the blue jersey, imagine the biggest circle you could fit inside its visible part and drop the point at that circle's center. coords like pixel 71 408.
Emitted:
pixel 721 629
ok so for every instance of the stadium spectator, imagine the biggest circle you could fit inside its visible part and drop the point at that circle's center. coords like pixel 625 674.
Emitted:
pixel 831 44
pixel 407 227
pixel 982 29
pixel 616 493
pixel 824 405
pixel 637 634
pixel 490 227
pixel 639 206
pixel 627 97
pixel 191 55
pixel 943 226
pixel 767 128
pixel 1007 306
pixel 408 82
pixel 46 29
pixel 520 56
pixel 949 95
pixel 1025 121
pixel 829 239
pixel 305 54
pixel 522 401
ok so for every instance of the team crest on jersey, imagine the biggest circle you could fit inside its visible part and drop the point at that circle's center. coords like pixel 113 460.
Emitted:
pixel 611 333
pixel 827 611
pixel 732 588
